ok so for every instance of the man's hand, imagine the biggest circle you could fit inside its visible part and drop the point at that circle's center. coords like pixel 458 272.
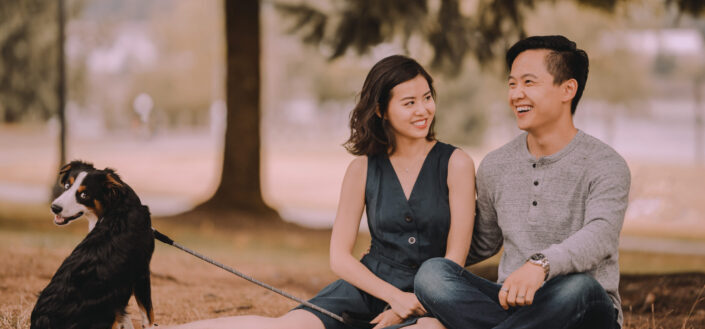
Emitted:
pixel 520 286
pixel 386 319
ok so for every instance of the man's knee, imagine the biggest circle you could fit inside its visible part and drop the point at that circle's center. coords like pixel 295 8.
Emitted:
pixel 576 289
pixel 433 282
pixel 582 299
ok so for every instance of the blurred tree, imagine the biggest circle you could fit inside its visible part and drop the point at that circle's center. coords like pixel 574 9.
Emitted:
pixel 61 84
pixel 482 28
pixel 28 82
pixel 32 87
pixel 240 187
pixel 453 29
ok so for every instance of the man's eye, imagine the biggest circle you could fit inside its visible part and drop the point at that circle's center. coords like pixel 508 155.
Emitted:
pixel 83 196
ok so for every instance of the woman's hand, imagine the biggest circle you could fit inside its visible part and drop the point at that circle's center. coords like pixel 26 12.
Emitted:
pixel 405 304
pixel 386 319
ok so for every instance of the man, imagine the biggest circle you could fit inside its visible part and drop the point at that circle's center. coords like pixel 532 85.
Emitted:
pixel 555 197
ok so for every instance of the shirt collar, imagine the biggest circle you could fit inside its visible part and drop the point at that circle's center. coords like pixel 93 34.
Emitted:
pixel 544 160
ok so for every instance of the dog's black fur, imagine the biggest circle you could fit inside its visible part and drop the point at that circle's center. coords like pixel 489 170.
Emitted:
pixel 93 285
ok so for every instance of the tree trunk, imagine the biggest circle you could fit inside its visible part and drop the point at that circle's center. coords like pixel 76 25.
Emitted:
pixel 61 84
pixel 698 114
pixel 240 188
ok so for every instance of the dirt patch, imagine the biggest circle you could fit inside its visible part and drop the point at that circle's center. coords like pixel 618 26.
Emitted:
pixel 664 300
pixel 186 289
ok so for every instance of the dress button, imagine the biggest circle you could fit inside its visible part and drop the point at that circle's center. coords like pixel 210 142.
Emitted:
pixel 534 203
pixel 408 219
pixel 536 183
pixel 412 240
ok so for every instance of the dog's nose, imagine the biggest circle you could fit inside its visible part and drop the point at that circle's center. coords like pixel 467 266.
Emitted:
pixel 55 208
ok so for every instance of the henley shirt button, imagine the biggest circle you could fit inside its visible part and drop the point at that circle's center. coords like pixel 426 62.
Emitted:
pixel 533 165
pixel 412 240
pixel 536 183
pixel 408 219
pixel 534 203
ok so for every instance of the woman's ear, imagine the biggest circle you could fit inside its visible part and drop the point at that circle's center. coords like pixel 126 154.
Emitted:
pixel 377 111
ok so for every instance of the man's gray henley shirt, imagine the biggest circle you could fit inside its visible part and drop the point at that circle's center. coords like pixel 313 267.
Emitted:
pixel 569 206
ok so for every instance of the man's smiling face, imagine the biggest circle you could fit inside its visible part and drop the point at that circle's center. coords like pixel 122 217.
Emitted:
pixel 538 103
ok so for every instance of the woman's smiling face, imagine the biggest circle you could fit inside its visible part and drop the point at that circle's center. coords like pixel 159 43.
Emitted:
pixel 411 108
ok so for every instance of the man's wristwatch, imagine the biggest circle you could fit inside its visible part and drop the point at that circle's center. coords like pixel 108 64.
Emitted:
pixel 540 260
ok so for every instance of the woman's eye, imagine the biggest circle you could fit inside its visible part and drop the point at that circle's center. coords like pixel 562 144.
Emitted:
pixel 83 195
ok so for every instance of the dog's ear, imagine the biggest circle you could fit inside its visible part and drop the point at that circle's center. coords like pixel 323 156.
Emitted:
pixel 114 186
pixel 58 187
pixel 75 164
pixel 66 168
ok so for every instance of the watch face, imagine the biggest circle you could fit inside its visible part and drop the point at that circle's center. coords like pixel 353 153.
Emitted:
pixel 537 257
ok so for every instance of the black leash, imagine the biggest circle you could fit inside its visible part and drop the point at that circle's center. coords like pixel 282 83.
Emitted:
pixel 345 319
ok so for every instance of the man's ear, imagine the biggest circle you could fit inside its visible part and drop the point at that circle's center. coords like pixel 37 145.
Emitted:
pixel 569 88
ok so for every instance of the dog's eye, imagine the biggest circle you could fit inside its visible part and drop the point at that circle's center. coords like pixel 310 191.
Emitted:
pixel 83 195
pixel 66 186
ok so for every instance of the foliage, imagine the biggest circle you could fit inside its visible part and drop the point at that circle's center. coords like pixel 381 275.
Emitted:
pixel 452 28
pixel 693 7
pixel 29 58
pixel 28 34
pixel 482 29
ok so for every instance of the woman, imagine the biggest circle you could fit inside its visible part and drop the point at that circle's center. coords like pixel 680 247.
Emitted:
pixel 420 200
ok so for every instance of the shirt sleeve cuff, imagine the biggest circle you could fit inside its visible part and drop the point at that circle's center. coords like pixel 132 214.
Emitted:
pixel 556 261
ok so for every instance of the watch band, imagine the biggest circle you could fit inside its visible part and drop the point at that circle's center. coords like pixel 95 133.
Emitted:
pixel 541 260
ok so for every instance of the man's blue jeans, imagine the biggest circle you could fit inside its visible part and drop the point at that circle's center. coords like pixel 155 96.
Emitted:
pixel 462 300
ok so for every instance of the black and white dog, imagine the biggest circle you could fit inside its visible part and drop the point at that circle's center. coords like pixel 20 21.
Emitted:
pixel 93 285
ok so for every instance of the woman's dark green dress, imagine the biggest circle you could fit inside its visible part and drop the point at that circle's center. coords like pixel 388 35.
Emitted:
pixel 404 233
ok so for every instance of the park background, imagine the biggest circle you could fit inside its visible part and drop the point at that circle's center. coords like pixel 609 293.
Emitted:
pixel 147 90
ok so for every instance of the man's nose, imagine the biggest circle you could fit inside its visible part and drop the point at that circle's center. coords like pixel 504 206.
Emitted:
pixel 516 93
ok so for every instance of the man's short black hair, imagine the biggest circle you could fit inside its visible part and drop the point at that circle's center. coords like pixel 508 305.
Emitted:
pixel 564 61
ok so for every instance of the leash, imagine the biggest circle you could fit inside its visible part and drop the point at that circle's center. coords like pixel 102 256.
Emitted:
pixel 345 319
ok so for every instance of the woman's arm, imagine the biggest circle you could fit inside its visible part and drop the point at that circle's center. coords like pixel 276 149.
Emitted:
pixel 461 196
pixel 345 228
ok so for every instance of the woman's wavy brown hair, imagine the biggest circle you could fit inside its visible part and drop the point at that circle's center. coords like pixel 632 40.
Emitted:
pixel 371 134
